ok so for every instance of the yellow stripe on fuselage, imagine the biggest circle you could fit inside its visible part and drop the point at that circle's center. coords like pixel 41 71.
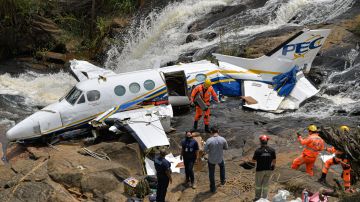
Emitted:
pixel 250 71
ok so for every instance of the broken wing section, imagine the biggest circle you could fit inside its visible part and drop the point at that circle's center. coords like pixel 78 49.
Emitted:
pixel 83 70
pixel 148 131
pixel 147 124
pixel 267 99
pixel 302 91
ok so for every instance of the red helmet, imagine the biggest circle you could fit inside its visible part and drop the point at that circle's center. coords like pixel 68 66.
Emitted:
pixel 264 138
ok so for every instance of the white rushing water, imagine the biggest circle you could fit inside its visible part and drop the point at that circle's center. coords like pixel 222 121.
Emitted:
pixel 161 36
pixel 38 89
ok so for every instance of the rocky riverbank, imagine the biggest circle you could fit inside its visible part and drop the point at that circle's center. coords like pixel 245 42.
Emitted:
pixel 64 172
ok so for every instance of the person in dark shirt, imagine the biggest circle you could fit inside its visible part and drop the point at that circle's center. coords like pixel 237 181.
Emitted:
pixel 265 159
pixel 163 174
pixel 189 152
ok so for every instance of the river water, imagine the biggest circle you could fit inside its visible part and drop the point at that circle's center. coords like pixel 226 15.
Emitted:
pixel 161 37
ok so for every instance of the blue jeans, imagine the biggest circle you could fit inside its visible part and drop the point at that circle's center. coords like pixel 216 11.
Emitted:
pixel 189 172
pixel 212 174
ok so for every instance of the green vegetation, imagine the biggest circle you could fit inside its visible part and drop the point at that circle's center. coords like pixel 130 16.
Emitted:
pixel 84 22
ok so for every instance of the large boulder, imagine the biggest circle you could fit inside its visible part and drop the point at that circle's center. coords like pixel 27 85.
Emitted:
pixel 71 168
pixel 100 183
pixel 128 156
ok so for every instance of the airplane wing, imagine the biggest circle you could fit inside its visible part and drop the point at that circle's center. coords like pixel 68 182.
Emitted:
pixel 146 124
pixel 267 99
pixel 83 70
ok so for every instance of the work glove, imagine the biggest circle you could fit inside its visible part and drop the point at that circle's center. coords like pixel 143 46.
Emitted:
pixel 298 133
pixel 192 104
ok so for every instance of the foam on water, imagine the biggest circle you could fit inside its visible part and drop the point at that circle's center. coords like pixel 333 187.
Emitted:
pixel 38 89
pixel 292 12
pixel 160 36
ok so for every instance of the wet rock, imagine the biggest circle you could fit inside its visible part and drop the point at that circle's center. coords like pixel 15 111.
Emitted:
pixel 209 36
pixel 355 112
pixel 191 38
pixel 55 57
pixel 204 53
pixel 223 13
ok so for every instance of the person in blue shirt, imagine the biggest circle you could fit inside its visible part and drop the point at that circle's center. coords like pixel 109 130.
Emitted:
pixel 163 174
pixel 189 153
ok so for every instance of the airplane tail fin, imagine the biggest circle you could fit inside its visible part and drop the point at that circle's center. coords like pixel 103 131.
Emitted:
pixel 301 48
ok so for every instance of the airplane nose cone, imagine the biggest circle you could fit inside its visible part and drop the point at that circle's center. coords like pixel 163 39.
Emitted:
pixel 23 130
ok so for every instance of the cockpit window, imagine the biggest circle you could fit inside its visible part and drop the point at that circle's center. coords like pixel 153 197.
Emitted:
pixel 93 95
pixel 73 95
pixel 82 99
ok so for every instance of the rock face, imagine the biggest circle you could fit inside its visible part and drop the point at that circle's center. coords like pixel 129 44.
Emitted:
pixel 68 174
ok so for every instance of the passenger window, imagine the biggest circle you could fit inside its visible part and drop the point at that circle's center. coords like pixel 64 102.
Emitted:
pixel 119 90
pixel 200 77
pixel 134 87
pixel 93 95
pixel 82 99
pixel 149 84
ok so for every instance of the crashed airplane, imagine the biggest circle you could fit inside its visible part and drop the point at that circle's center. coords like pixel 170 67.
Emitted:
pixel 273 82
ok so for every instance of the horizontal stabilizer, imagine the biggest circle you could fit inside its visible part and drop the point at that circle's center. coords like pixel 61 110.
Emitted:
pixel 83 70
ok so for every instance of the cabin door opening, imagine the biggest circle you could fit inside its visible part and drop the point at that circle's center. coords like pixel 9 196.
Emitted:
pixel 177 88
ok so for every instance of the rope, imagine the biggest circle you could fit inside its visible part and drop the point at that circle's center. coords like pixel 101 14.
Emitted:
pixel 27 174
pixel 102 156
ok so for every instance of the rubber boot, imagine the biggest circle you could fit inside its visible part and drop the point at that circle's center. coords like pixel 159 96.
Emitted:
pixel 322 179
pixel 195 125
pixel 207 129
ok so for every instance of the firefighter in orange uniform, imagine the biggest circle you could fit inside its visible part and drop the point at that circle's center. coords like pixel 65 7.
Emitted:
pixel 206 91
pixel 340 157
pixel 313 145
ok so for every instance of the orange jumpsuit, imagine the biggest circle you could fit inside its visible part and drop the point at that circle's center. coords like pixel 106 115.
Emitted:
pixel 340 157
pixel 205 95
pixel 313 145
